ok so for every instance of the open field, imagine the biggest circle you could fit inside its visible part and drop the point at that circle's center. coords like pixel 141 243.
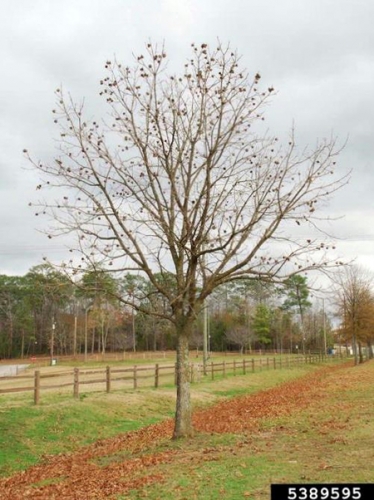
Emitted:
pixel 69 377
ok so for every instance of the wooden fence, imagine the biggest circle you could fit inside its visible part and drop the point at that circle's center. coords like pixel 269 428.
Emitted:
pixel 135 377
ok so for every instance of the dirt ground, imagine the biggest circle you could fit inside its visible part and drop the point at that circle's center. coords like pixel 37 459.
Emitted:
pixel 79 476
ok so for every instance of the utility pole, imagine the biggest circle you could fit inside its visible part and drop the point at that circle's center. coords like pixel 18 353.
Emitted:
pixel 205 337
pixel 133 323
pixel 52 339
pixel 86 332
pixel 324 326
pixel 75 334
pixel 205 326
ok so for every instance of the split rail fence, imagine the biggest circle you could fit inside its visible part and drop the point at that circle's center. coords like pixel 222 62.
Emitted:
pixel 136 377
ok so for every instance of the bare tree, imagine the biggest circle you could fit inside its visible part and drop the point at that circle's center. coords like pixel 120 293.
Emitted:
pixel 241 336
pixel 176 181
pixel 355 301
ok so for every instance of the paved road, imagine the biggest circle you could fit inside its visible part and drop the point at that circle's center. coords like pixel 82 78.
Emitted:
pixel 10 370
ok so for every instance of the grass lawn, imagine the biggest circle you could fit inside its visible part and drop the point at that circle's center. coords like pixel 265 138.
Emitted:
pixel 330 441
pixel 63 424
pixel 300 425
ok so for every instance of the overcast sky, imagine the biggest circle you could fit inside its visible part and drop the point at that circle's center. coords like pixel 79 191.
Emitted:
pixel 319 55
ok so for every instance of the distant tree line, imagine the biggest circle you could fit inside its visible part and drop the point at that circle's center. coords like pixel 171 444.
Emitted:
pixel 43 312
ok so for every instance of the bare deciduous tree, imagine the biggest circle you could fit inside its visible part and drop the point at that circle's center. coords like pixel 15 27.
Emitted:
pixel 177 181
pixel 354 297
pixel 241 336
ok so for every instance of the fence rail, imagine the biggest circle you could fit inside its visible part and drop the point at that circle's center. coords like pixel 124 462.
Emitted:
pixel 134 377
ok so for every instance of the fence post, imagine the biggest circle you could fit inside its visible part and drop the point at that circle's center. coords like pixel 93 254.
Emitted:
pixel 156 375
pixel 212 368
pixel 243 366
pixel 275 363
pixel 234 367
pixel 224 369
pixel 198 375
pixel 108 379
pixel 135 376
pixel 76 382
pixel 37 387
pixel 280 362
pixel 253 365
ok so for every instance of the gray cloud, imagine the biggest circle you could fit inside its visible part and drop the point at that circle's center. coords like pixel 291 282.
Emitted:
pixel 319 55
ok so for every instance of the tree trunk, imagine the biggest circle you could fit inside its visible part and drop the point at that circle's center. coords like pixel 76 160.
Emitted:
pixel 354 343
pixel 93 341
pixel 103 338
pixel 183 414
pixel 302 329
pixel 360 355
pixel 370 348
pixel 11 333
pixel 23 344
pixel 133 327
pixel 154 336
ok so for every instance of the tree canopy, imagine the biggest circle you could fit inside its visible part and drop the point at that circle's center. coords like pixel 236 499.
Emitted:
pixel 178 182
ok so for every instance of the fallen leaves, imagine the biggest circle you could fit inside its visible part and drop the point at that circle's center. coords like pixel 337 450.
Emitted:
pixel 79 475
